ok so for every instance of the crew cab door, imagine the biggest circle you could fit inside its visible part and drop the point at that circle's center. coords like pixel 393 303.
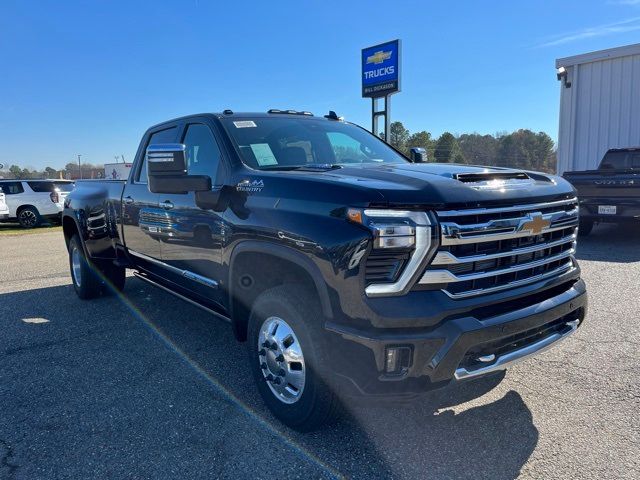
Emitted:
pixel 142 217
pixel 195 244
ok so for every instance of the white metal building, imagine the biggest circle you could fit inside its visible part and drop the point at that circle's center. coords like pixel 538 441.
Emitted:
pixel 599 105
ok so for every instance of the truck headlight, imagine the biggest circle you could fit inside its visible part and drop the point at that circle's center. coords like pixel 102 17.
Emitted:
pixel 398 229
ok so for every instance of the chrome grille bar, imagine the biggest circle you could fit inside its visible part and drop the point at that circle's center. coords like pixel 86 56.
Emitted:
pixel 516 208
pixel 517 283
pixel 445 276
pixel 499 229
pixel 495 237
pixel 447 258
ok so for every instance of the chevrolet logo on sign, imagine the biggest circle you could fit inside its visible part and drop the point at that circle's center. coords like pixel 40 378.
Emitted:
pixel 535 224
pixel 379 57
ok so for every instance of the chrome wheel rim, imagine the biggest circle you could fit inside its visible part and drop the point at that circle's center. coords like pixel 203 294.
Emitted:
pixel 28 218
pixel 76 266
pixel 281 360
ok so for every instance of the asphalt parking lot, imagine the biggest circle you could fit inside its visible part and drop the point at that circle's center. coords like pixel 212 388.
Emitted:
pixel 146 386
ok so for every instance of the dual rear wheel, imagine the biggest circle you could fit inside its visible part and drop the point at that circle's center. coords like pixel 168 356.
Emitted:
pixel 90 278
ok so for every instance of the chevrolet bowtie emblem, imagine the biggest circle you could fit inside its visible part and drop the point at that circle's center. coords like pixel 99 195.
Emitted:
pixel 535 224
pixel 379 57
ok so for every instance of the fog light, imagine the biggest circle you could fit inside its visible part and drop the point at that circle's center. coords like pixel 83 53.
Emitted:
pixel 397 359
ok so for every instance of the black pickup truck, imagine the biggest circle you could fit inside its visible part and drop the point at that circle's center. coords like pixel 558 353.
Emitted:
pixel 348 269
pixel 612 192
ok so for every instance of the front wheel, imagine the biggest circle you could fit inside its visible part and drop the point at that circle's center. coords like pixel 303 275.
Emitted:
pixel 286 362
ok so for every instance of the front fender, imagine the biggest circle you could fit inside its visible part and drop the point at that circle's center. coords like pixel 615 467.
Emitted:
pixel 288 254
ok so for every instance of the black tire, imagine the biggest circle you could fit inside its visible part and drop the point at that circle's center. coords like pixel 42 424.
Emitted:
pixel 86 281
pixel 317 404
pixel 585 227
pixel 29 217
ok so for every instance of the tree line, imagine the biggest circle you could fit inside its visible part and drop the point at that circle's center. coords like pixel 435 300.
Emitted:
pixel 70 171
pixel 521 149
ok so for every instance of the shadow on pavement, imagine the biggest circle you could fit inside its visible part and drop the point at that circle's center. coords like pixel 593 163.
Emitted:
pixel 611 243
pixel 146 385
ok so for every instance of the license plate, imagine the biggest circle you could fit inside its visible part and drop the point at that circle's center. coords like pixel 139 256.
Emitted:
pixel 607 209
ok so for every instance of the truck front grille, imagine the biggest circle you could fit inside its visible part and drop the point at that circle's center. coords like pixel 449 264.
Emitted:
pixel 488 250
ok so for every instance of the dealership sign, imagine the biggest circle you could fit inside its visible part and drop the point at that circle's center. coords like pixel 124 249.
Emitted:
pixel 381 69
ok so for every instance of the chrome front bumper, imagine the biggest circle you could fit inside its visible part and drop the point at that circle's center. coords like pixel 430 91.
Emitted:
pixel 511 358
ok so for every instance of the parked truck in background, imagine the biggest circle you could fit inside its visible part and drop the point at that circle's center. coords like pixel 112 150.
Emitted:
pixel 346 268
pixel 610 194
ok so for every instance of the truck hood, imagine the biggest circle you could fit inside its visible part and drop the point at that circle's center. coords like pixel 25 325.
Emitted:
pixel 446 184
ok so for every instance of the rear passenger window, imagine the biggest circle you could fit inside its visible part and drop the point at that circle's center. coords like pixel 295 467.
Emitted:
pixel 11 188
pixel 40 187
pixel 163 136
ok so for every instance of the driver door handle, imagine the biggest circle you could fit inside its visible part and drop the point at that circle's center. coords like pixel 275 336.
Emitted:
pixel 128 200
pixel 167 205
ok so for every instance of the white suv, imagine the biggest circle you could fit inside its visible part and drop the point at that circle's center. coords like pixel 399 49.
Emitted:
pixel 31 201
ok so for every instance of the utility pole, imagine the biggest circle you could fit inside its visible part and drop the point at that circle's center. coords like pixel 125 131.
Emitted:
pixel 80 166
pixel 123 158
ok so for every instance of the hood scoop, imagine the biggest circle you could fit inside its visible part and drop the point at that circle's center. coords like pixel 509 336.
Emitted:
pixel 495 180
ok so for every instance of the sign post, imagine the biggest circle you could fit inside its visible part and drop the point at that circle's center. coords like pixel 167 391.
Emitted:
pixel 381 79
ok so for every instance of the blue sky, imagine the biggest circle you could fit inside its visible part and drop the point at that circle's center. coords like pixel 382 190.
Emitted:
pixel 89 77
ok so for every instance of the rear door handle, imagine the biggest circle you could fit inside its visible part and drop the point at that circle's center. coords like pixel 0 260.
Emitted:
pixel 128 200
pixel 167 205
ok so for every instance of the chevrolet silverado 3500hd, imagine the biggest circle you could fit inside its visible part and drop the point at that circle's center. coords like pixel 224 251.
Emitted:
pixel 612 192
pixel 347 268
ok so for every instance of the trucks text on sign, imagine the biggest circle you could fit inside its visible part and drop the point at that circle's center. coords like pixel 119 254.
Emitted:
pixel 381 69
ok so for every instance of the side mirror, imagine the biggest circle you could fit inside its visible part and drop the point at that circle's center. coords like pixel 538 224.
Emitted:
pixel 167 170
pixel 418 155
pixel 166 159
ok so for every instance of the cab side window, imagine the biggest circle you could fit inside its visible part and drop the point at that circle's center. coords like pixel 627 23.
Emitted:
pixel 163 136
pixel 614 160
pixel 203 154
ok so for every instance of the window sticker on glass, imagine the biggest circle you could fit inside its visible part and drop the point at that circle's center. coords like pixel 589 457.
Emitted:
pixel 245 124
pixel 264 155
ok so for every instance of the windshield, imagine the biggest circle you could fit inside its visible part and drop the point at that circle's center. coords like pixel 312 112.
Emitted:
pixel 291 142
